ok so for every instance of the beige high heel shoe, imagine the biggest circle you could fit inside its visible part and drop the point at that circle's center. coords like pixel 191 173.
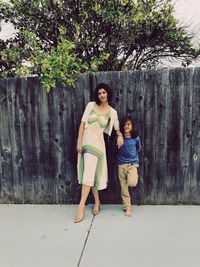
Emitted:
pixel 79 215
pixel 95 211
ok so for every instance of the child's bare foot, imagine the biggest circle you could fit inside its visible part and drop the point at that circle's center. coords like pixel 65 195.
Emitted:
pixel 128 212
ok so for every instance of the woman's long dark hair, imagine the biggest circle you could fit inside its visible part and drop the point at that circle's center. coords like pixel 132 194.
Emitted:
pixel 134 132
pixel 106 88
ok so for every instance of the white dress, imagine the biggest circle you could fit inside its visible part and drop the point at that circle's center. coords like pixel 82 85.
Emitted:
pixel 92 163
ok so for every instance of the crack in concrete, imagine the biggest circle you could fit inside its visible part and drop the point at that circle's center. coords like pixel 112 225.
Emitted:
pixel 89 229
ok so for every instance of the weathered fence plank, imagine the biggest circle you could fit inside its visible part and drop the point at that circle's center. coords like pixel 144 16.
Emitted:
pixel 162 84
pixel 150 137
pixel 21 111
pixel 6 147
pixel 186 136
pixel 195 144
pixel 174 129
pixel 16 144
pixel 45 144
pixel 29 159
pixel 38 133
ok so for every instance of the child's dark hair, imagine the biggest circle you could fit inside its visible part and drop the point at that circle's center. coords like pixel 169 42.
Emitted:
pixel 134 132
pixel 106 88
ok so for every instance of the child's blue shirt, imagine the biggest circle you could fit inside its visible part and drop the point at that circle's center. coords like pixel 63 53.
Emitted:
pixel 128 153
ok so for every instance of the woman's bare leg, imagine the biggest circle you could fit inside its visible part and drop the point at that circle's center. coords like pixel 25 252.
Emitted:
pixel 84 194
pixel 81 207
pixel 95 209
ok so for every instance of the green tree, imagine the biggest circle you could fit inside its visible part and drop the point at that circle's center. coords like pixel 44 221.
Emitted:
pixel 115 34
pixel 59 65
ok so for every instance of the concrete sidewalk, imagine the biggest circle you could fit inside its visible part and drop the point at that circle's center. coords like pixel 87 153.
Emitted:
pixel 45 236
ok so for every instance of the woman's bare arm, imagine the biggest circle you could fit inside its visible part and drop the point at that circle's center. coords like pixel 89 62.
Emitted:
pixel 80 137
pixel 120 140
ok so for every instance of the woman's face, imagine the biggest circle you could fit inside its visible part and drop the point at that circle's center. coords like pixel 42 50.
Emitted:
pixel 103 95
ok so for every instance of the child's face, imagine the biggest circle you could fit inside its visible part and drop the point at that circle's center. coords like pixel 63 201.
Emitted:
pixel 128 127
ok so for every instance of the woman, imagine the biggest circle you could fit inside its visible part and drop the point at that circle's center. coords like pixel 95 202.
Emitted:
pixel 98 118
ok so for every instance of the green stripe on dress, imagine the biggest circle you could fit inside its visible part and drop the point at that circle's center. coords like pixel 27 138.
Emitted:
pixel 105 115
pixel 100 125
pixel 81 168
pixel 91 121
pixel 99 154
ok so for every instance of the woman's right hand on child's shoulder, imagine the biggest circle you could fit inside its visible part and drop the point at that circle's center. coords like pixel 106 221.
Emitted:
pixel 79 147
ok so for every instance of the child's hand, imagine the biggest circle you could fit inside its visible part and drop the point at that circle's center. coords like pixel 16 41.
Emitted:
pixel 120 141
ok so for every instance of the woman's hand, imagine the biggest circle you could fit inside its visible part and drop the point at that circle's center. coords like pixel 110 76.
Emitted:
pixel 120 141
pixel 79 147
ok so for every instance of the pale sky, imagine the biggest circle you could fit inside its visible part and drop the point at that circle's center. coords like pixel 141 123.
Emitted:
pixel 188 12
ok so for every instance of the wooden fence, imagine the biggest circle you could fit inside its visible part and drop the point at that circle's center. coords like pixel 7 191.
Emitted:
pixel 38 133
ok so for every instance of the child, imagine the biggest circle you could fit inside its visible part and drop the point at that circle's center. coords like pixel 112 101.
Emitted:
pixel 128 161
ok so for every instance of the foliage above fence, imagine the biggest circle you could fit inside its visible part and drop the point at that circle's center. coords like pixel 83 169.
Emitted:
pixel 57 67
pixel 111 35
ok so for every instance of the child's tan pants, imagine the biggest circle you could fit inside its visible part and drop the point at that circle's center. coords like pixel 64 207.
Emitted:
pixel 128 176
